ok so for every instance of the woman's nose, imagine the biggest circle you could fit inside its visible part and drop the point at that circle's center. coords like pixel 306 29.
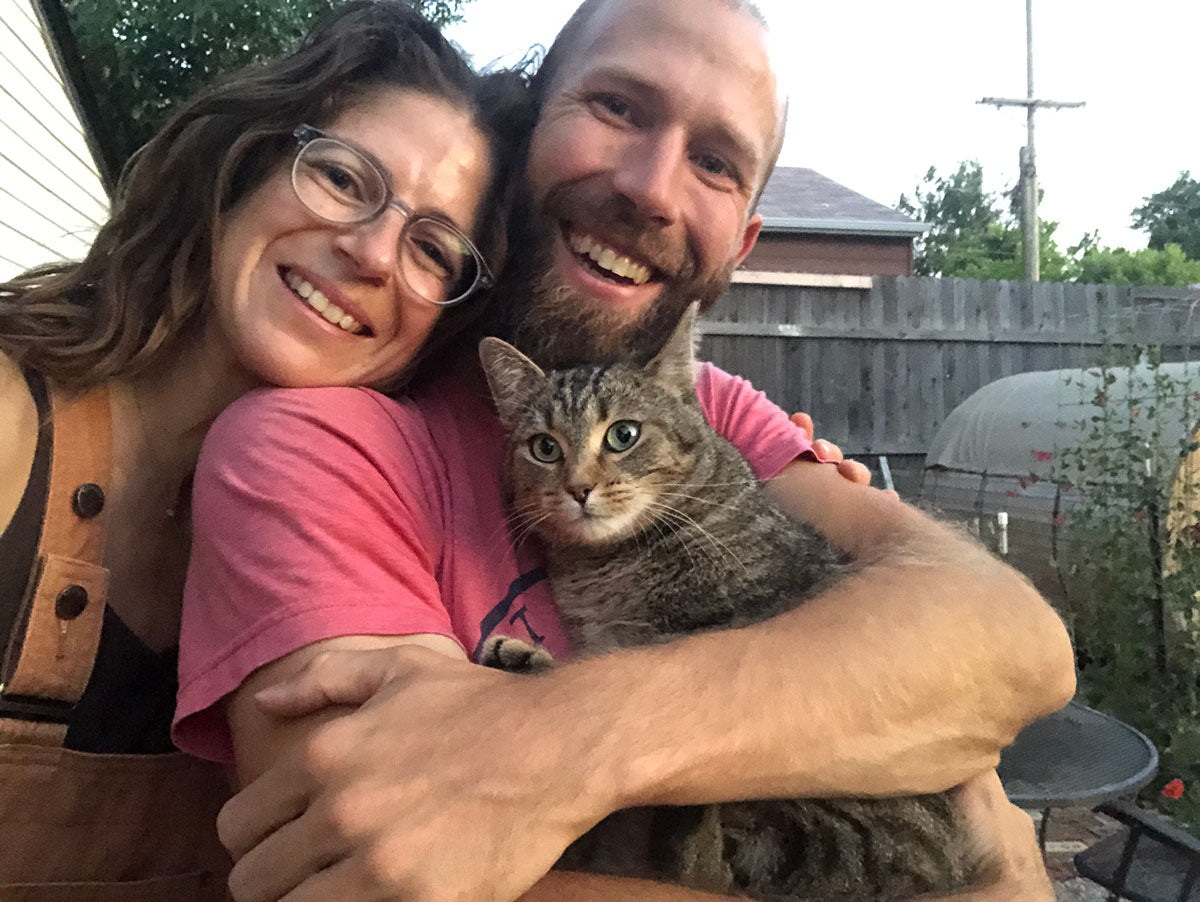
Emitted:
pixel 374 246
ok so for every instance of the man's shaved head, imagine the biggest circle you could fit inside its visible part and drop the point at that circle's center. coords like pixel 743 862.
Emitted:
pixel 567 44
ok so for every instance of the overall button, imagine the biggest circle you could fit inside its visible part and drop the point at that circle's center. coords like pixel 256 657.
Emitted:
pixel 88 500
pixel 70 602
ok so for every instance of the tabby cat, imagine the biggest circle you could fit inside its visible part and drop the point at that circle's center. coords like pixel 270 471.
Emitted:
pixel 653 527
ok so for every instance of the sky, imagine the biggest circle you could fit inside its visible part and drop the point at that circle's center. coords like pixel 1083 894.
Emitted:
pixel 881 90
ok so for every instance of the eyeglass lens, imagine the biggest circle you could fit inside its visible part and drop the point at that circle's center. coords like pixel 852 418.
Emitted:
pixel 338 184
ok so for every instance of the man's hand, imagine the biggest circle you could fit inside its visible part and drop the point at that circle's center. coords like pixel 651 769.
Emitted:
pixel 831 453
pixel 443 786
pixel 290 799
pixel 1007 833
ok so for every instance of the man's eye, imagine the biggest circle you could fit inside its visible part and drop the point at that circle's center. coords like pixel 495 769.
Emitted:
pixel 713 165
pixel 614 105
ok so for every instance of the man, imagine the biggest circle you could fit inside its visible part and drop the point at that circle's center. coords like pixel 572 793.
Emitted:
pixel 660 122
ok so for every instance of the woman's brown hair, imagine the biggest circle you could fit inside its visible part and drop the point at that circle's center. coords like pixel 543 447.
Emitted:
pixel 147 277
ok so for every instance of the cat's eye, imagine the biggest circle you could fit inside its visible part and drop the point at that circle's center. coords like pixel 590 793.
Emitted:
pixel 544 448
pixel 622 435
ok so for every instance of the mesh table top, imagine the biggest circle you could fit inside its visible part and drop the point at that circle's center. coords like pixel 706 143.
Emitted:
pixel 1076 757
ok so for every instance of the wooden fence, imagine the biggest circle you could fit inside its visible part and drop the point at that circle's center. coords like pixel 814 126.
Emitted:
pixel 879 368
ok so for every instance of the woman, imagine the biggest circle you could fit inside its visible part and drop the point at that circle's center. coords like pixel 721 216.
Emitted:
pixel 309 222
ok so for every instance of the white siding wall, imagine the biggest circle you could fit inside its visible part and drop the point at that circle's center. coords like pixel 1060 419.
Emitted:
pixel 51 198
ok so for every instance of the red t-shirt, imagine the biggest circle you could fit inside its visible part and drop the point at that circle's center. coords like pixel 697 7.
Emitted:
pixel 331 512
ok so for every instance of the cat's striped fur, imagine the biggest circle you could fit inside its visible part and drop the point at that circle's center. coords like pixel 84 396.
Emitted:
pixel 673 535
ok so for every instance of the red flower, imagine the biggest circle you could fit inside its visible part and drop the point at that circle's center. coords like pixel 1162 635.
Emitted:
pixel 1059 520
pixel 1013 493
pixel 1042 456
pixel 1174 789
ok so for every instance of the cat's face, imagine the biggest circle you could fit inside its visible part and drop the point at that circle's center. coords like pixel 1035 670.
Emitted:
pixel 597 454
pixel 596 457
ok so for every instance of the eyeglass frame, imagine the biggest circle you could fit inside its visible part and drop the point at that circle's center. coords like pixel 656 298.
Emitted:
pixel 306 134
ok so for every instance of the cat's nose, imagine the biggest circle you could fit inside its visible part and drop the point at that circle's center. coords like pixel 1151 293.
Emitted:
pixel 580 493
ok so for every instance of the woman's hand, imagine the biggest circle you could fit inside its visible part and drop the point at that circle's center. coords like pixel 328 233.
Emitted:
pixel 828 451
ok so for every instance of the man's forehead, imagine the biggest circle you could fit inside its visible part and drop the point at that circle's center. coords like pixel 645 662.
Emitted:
pixel 721 46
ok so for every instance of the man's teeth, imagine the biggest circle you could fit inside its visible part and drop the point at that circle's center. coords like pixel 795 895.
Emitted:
pixel 331 311
pixel 607 258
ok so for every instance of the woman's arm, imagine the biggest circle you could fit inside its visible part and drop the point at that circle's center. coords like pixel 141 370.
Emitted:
pixel 18 438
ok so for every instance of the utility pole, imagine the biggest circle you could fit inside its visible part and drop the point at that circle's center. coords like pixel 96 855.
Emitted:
pixel 1029 186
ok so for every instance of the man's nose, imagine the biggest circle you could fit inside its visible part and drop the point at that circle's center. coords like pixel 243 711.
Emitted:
pixel 649 175
pixel 373 246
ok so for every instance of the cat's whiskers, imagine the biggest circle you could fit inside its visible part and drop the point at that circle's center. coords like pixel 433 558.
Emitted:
pixel 675 513
pixel 660 517
pixel 524 518
pixel 517 514
pixel 745 483
pixel 680 531
pixel 726 504
pixel 529 526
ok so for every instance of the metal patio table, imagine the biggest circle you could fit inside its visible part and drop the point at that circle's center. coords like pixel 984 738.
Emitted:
pixel 1079 757
pixel 1076 757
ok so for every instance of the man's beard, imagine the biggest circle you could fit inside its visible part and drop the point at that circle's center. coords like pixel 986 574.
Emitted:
pixel 558 326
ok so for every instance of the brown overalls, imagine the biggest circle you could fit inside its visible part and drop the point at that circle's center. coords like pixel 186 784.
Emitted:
pixel 76 826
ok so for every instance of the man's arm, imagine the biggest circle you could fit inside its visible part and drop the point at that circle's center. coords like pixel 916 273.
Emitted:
pixel 908 676
pixel 337 815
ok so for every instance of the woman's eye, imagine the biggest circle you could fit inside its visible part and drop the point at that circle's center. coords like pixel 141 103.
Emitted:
pixel 341 180
pixel 622 435
pixel 436 257
pixel 545 449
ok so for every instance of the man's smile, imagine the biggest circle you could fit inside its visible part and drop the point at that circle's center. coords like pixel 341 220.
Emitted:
pixel 608 260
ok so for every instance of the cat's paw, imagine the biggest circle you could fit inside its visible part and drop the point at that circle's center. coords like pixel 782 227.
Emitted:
pixel 515 655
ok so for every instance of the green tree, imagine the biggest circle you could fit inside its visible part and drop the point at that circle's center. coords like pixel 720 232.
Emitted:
pixel 959 213
pixel 142 56
pixel 971 236
pixel 1117 266
pixel 1172 216
pixel 999 253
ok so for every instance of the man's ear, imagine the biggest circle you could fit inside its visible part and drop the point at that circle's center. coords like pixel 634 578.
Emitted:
pixel 511 376
pixel 749 237
pixel 675 363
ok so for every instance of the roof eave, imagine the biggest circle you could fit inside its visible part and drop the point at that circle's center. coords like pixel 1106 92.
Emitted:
pixel 844 226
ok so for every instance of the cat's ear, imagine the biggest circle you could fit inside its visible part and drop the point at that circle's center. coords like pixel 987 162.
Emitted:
pixel 510 374
pixel 675 363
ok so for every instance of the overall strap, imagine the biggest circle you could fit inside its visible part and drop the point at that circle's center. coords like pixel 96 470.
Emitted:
pixel 53 646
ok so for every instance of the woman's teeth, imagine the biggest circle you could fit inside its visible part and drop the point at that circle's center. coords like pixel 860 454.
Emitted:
pixel 329 310
pixel 608 259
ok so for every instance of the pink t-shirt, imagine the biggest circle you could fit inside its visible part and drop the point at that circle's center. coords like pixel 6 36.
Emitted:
pixel 331 512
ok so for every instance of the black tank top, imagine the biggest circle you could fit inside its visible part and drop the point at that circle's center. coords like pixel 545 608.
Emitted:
pixel 130 698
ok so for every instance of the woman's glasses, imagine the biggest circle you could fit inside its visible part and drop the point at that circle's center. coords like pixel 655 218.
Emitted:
pixel 339 183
